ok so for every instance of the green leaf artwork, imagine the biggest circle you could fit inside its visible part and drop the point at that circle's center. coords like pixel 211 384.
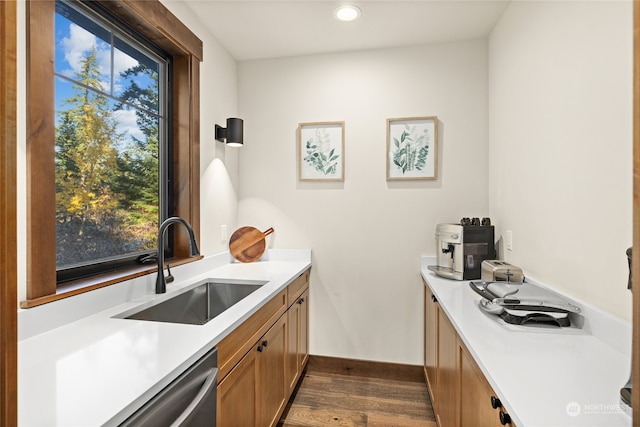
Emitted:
pixel 319 153
pixel 410 151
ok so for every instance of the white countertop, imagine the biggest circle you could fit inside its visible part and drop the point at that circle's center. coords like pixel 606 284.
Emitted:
pixel 544 376
pixel 97 370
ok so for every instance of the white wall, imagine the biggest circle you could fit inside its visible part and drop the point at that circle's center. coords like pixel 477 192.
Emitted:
pixel 366 234
pixel 219 169
pixel 561 144
pixel 218 164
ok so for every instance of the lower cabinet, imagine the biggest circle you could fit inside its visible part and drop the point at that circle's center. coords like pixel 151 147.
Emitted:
pixel 478 402
pixel 298 334
pixel 237 394
pixel 253 393
pixel 263 359
pixel 430 342
pixel 272 391
pixel 447 373
pixel 460 394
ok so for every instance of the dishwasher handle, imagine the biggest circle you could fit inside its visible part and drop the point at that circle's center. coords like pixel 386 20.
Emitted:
pixel 207 388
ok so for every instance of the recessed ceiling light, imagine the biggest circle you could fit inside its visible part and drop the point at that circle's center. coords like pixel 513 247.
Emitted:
pixel 347 12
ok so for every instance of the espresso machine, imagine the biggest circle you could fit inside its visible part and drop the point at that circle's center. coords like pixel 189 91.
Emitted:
pixel 461 248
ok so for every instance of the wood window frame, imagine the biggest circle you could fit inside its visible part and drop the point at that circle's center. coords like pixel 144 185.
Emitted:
pixel 635 268
pixel 8 216
pixel 156 23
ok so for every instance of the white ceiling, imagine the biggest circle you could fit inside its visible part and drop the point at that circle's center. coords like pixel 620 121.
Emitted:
pixel 270 29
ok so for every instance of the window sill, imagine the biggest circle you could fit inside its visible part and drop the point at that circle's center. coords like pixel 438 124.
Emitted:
pixel 81 286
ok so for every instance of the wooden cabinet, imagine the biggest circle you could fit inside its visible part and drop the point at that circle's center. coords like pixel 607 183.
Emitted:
pixel 298 335
pixel 479 406
pixel 461 395
pixel 440 361
pixel 272 391
pixel 447 373
pixel 254 392
pixel 263 358
pixel 245 337
pixel 303 349
pixel 237 394
pixel 430 341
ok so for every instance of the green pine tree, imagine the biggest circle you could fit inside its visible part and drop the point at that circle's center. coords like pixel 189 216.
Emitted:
pixel 139 162
pixel 86 158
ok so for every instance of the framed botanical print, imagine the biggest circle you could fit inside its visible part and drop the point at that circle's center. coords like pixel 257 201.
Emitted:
pixel 412 148
pixel 321 151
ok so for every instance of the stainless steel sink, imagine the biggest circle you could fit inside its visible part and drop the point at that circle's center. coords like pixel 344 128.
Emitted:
pixel 197 304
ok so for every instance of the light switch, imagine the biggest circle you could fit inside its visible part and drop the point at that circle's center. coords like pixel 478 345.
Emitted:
pixel 508 240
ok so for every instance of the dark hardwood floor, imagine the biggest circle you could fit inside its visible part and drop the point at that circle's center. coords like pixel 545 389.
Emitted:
pixel 349 393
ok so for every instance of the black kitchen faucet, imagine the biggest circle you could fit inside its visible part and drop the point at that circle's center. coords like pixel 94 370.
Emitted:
pixel 161 282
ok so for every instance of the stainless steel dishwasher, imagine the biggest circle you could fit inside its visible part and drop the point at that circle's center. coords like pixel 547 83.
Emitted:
pixel 189 401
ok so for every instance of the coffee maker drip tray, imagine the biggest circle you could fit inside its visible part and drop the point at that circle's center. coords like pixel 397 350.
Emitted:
pixel 447 272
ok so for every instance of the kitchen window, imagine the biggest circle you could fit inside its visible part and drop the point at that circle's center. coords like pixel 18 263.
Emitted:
pixel 112 141
pixel 111 146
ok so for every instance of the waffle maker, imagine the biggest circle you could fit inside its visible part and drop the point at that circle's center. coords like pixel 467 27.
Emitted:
pixel 520 304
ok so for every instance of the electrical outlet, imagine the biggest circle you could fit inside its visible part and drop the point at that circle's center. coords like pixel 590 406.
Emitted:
pixel 223 233
pixel 508 240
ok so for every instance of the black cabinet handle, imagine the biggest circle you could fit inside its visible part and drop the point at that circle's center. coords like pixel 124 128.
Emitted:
pixel 301 300
pixel 504 418
pixel 433 298
pixel 262 345
pixel 495 402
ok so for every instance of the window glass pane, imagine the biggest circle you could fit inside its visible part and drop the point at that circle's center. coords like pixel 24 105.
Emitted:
pixel 108 138
pixel 76 35
pixel 137 76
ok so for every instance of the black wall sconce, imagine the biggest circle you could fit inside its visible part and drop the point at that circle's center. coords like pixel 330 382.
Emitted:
pixel 232 134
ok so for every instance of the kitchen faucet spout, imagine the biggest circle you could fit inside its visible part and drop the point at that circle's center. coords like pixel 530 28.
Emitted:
pixel 161 283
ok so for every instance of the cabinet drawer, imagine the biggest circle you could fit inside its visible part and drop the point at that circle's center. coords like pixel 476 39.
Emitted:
pixel 297 287
pixel 235 345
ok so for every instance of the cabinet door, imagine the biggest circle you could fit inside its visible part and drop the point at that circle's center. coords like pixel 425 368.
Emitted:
pixel 447 372
pixel 293 347
pixel 298 339
pixel 303 353
pixel 430 342
pixel 271 386
pixel 237 395
pixel 475 396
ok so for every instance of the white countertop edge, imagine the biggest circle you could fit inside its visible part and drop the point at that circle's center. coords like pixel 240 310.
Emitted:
pixel 44 355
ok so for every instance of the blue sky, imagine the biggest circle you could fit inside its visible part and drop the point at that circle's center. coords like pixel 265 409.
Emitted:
pixel 73 43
